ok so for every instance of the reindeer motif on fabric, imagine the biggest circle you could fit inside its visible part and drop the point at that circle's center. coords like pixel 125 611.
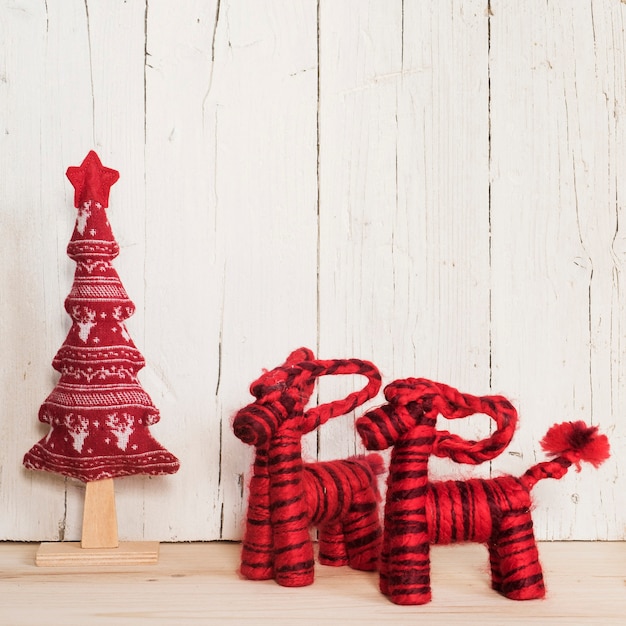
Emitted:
pixel 491 511
pixel 288 496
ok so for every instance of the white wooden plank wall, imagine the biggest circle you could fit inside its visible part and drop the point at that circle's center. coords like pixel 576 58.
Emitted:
pixel 437 186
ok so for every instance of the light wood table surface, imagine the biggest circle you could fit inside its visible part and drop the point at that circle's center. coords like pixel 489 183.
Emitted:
pixel 197 583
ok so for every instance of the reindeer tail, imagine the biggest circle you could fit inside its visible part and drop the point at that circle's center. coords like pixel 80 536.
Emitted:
pixel 374 462
pixel 569 443
pixel 374 465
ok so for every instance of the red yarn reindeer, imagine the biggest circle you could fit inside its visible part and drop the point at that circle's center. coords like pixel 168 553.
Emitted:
pixel 492 511
pixel 287 496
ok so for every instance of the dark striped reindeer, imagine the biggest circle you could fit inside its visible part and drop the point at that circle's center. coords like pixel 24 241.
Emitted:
pixel 492 511
pixel 288 496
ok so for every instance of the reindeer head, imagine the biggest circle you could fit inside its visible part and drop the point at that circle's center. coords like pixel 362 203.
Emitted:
pixel 283 393
pixel 416 402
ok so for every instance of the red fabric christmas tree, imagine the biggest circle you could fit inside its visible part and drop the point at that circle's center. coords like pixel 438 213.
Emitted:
pixel 99 415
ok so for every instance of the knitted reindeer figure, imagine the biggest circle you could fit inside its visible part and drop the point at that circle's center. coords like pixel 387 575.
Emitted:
pixel 287 496
pixel 492 511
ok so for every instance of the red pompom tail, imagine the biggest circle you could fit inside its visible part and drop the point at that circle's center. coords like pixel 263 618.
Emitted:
pixel 576 442
pixel 375 461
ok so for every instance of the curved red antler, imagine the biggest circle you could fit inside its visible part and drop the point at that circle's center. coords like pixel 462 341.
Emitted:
pixel 321 414
pixel 437 398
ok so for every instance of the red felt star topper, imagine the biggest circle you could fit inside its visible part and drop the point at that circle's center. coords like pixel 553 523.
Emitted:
pixel 92 181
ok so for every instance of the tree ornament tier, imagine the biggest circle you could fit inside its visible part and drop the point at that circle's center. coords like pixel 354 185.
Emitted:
pixel 100 431
pixel 115 364
pixel 82 251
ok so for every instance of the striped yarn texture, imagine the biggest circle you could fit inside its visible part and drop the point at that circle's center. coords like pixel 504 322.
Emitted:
pixel 491 511
pixel 288 496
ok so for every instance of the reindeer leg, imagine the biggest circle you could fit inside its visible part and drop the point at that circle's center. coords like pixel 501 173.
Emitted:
pixel 293 555
pixel 383 565
pixel 406 575
pixel 408 567
pixel 257 546
pixel 494 562
pixel 293 548
pixel 521 575
pixel 363 534
pixel 332 545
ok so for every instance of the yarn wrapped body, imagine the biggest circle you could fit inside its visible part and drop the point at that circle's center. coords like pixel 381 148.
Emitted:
pixel 496 512
pixel 98 413
pixel 287 496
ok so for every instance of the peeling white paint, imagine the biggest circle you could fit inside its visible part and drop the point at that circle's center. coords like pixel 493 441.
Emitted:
pixel 436 187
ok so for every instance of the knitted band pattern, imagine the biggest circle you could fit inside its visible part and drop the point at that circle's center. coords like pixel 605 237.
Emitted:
pixel 288 496
pixel 98 413
pixel 492 511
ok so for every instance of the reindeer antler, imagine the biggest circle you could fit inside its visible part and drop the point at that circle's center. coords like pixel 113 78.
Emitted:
pixel 437 398
pixel 321 414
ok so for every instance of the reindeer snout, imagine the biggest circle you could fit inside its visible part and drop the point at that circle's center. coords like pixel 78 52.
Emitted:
pixel 375 429
pixel 255 424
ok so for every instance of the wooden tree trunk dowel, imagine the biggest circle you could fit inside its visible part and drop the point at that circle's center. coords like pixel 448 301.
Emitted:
pixel 99 515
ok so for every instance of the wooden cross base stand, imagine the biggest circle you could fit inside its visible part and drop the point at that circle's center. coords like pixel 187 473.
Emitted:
pixel 99 544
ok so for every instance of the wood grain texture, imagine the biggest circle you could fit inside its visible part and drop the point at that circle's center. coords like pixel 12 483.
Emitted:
pixel 434 186
pixel 74 554
pixel 198 584
pixel 557 294
pixel 99 515
pixel 404 202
